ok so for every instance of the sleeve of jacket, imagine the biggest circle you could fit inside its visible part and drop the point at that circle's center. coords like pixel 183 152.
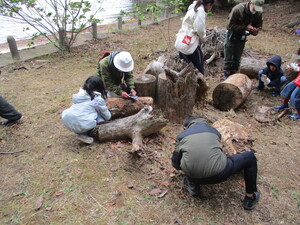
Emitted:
pixel 129 79
pixel 104 112
pixel 199 24
pixel 176 157
pixel 105 75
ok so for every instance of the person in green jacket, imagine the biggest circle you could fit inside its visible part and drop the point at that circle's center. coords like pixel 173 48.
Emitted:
pixel 244 19
pixel 199 155
pixel 116 72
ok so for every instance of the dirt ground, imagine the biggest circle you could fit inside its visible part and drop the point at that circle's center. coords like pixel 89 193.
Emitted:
pixel 100 184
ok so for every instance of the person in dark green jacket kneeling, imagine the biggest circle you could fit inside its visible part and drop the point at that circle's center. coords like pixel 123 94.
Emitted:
pixel 116 72
pixel 199 155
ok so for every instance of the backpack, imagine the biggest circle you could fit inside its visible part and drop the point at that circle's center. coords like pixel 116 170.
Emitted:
pixel 104 54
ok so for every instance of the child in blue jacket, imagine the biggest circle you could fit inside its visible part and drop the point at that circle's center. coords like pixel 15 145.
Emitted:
pixel 88 109
pixel 272 75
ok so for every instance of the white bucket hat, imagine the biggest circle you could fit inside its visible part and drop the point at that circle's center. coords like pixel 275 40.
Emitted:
pixel 124 62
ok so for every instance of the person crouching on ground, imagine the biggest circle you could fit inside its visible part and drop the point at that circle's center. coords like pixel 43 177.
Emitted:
pixel 88 109
pixel 116 72
pixel 271 76
pixel 199 155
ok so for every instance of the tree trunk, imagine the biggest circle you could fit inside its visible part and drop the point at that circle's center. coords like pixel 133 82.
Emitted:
pixel 120 107
pixel 134 127
pixel 251 66
pixel 232 92
pixel 235 137
pixel 145 85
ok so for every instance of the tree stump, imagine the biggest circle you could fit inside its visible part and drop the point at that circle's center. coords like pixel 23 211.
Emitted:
pixel 181 93
pixel 161 91
pixel 251 66
pixel 120 107
pixel 145 85
pixel 232 92
pixel 134 127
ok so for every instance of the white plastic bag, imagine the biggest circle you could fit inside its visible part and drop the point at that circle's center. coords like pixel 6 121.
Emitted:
pixel 186 41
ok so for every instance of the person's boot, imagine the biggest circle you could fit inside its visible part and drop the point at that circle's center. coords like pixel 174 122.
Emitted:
pixel 192 188
pixel 85 139
pixel 11 122
pixel 249 202
pixel 226 74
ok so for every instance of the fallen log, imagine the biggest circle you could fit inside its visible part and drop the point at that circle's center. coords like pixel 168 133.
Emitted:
pixel 134 127
pixel 232 92
pixel 120 107
pixel 235 137
pixel 250 66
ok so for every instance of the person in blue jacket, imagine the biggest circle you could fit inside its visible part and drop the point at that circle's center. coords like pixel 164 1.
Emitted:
pixel 88 109
pixel 272 76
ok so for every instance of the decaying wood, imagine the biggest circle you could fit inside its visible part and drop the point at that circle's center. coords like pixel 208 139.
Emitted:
pixel 235 137
pixel 180 94
pixel 134 127
pixel 250 66
pixel 161 91
pixel 213 47
pixel 120 107
pixel 156 67
pixel 11 152
pixel 264 114
pixel 232 92
pixel 145 85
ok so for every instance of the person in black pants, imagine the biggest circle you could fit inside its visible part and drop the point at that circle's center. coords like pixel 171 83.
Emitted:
pixel 199 155
pixel 8 112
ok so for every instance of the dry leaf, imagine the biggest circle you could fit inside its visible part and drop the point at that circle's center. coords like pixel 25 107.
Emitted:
pixel 155 191
pixel 39 203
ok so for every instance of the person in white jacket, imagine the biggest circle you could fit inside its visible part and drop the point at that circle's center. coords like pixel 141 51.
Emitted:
pixel 193 32
pixel 88 109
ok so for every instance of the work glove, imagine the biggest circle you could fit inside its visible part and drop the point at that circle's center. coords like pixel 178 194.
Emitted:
pixel 265 79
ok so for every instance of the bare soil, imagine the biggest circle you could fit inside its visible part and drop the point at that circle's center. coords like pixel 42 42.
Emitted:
pixel 100 184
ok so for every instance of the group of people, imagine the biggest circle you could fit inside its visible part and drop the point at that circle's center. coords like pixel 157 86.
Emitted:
pixel 198 152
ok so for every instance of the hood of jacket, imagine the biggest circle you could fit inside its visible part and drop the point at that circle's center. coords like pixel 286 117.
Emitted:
pixel 81 96
pixel 196 121
pixel 276 61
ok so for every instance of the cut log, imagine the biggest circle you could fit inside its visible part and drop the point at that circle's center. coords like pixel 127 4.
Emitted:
pixel 161 91
pixel 134 127
pixel 120 107
pixel 232 92
pixel 235 137
pixel 145 85
pixel 251 66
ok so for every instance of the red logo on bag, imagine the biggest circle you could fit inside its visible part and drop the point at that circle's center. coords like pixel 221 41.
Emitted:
pixel 187 39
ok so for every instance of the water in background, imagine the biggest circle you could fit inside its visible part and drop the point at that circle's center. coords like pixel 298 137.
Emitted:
pixel 109 14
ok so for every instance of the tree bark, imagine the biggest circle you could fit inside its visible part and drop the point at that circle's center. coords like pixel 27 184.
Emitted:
pixel 145 85
pixel 120 107
pixel 134 127
pixel 232 92
pixel 181 89
pixel 161 91
pixel 235 137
